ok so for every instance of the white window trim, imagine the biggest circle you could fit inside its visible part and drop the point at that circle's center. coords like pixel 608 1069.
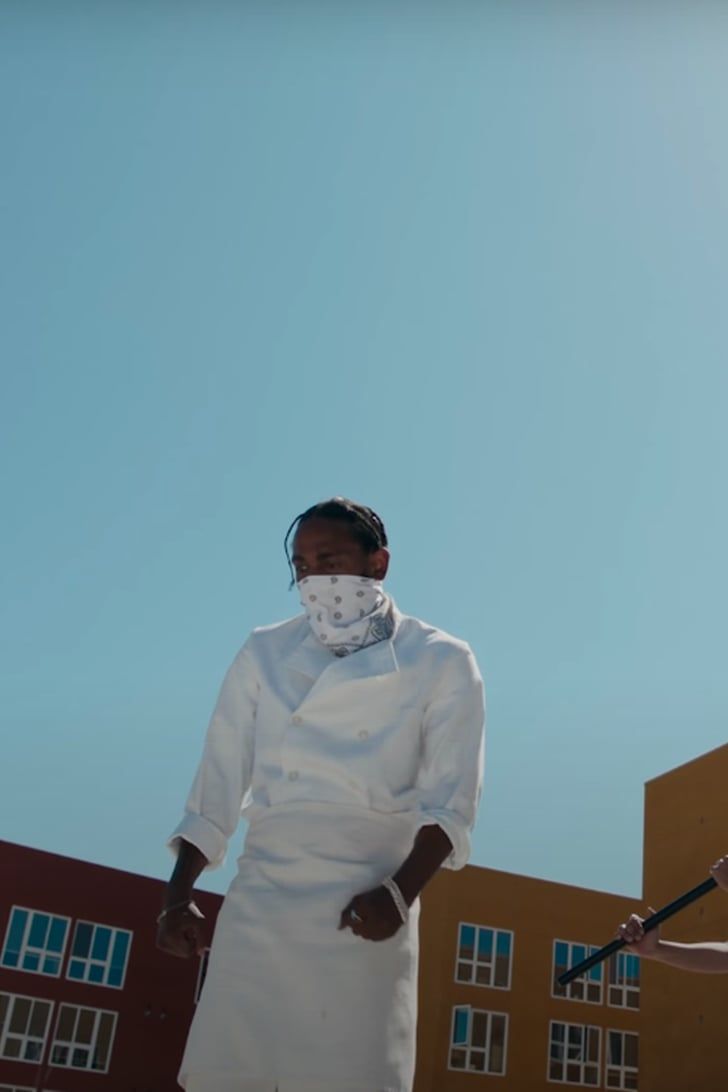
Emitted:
pixel 590 948
pixel 83 1046
pixel 25 947
pixel 455 1046
pixel 495 930
pixel 584 1027
pixel 87 960
pixel 622 1069
pixel 44 1041
pixel 19 1088
pixel 622 985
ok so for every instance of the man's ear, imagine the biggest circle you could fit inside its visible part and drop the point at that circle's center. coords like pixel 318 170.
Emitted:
pixel 379 563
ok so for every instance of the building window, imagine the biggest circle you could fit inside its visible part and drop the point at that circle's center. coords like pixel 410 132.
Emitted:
pixel 99 954
pixel 484 956
pixel 202 973
pixel 624 981
pixel 23 1027
pixel 588 986
pixel 574 1051
pixel 35 941
pixel 83 1038
pixel 622 1060
pixel 478 1040
pixel 18 1088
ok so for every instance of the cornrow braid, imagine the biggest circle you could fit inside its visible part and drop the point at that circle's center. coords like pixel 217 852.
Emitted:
pixel 365 524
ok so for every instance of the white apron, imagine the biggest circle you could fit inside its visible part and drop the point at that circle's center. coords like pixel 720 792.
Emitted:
pixel 290 1002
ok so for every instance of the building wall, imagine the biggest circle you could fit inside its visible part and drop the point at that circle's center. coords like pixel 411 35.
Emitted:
pixel 538 913
pixel 681 1022
pixel 156 1002
pixel 684 1019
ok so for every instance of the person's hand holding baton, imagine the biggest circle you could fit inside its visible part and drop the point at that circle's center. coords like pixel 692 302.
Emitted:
pixel 711 957
pixel 707 957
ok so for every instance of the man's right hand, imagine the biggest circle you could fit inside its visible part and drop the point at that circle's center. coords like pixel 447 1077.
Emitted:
pixel 638 941
pixel 181 932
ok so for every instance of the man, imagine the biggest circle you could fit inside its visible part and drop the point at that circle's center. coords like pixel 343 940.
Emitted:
pixel 706 956
pixel 352 739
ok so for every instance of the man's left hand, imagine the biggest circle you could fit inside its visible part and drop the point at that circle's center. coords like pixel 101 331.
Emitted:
pixel 719 872
pixel 372 915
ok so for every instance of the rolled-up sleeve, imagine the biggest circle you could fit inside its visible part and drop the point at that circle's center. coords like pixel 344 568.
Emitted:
pixel 451 772
pixel 218 792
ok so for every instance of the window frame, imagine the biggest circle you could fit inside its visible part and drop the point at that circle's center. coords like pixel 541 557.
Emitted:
pixel 474 964
pixel 616 960
pixel 585 1028
pixel 622 1069
pixel 4 1087
pixel 5 1030
pixel 452 1045
pixel 583 979
pixel 18 1088
pixel 25 948
pixel 73 1044
pixel 88 961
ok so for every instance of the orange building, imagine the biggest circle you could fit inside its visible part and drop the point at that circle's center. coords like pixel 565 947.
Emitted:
pixel 684 1022
pixel 491 1012
pixel 493 943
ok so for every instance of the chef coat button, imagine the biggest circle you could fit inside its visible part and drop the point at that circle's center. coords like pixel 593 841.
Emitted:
pixel 363 734
pixel 297 719
pixel 293 775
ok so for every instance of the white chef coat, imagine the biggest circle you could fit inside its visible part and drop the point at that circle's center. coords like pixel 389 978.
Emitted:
pixel 336 763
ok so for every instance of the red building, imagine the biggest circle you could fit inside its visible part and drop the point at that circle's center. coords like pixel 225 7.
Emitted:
pixel 87 1002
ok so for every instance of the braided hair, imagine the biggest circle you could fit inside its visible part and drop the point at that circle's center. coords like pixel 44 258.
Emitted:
pixel 366 526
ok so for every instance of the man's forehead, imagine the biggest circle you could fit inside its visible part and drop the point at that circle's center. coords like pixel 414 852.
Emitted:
pixel 318 534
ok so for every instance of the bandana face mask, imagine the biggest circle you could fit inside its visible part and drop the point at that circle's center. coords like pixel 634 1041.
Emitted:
pixel 346 612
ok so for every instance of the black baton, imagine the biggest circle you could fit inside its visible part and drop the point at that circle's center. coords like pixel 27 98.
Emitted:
pixel 649 923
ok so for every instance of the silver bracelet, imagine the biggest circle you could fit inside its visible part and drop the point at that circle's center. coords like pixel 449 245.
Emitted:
pixel 397 897
pixel 189 904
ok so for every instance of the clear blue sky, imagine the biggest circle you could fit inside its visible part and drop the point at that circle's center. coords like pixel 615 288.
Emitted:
pixel 466 263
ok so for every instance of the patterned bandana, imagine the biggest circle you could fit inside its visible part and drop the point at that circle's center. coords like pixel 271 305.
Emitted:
pixel 346 612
